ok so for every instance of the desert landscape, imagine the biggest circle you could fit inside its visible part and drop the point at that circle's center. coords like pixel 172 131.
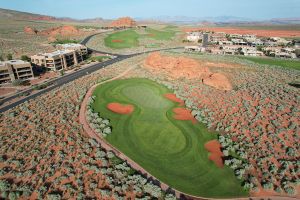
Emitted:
pixel 148 108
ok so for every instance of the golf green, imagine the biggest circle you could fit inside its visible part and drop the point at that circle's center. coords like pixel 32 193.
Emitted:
pixel 171 150
pixel 122 39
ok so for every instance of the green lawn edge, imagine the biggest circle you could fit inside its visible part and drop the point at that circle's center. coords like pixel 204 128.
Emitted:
pixel 196 175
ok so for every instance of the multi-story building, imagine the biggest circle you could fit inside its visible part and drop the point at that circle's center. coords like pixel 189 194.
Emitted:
pixel 15 69
pixel 194 36
pixel 66 56
pixel 55 61
pixel 81 50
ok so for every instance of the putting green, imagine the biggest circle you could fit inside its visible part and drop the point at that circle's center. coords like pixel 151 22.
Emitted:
pixel 122 39
pixel 171 150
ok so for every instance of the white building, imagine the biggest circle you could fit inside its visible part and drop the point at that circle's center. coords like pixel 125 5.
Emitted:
pixel 194 36
pixel 194 48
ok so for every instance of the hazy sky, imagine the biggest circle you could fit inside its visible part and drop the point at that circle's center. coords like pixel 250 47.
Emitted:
pixel 253 9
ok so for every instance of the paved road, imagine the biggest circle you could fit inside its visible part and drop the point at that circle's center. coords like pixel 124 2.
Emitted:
pixel 70 77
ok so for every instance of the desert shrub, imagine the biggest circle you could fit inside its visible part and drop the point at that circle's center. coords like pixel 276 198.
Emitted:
pixel 153 190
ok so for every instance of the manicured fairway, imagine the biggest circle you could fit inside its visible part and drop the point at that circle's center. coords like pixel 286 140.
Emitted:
pixel 293 64
pixel 122 39
pixel 160 35
pixel 171 150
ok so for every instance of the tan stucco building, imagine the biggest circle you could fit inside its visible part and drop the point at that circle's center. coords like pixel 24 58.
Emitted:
pixel 67 56
pixel 15 69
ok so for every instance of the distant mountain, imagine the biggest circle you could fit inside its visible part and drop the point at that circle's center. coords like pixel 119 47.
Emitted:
pixel 220 20
pixel 204 21
pixel 286 21
pixel 12 14
pixel 189 20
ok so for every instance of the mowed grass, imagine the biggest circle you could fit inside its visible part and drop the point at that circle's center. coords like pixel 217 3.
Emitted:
pixel 122 39
pixel 167 34
pixel 292 64
pixel 171 150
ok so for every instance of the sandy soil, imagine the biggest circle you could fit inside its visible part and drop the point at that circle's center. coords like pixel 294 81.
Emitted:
pixel 218 80
pixel 44 77
pixel 214 147
pixel 260 33
pixel 182 67
pixel 6 91
pixel 173 98
pixel 120 109
pixel 184 114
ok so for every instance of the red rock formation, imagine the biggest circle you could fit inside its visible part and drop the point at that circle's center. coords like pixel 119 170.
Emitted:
pixel 30 30
pixel 182 67
pixel 61 31
pixel 124 21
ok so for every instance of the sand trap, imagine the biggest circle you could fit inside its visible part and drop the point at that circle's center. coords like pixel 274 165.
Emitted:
pixel 117 41
pixel 214 147
pixel 173 98
pixel 120 109
pixel 184 114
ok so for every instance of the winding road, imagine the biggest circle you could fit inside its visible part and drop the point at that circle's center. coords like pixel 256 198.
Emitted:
pixel 52 84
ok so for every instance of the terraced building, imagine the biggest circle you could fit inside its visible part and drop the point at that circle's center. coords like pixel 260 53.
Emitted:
pixel 15 69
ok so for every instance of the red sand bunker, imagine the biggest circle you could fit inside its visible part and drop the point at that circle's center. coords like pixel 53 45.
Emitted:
pixel 173 98
pixel 183 114
pixel 117 41
pixel 214 147
pixel 120 109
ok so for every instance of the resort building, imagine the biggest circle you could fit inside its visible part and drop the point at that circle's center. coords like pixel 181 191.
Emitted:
pixel 83 50
pixel 67 56
pixel 15 69
pixel 194 36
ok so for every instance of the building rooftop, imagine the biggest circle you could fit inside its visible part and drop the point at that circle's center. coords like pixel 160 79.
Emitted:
pixel 55 53
pixel 70 45
pixel 13 62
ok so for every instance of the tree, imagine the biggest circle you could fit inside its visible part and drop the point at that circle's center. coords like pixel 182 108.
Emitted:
pixel 1 57
pixel 25 58
pixel 9 56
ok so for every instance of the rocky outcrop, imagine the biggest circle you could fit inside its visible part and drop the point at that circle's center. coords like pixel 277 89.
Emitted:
pixel 182 67
pixel 31 31
pixel 124 22
pixel 57 31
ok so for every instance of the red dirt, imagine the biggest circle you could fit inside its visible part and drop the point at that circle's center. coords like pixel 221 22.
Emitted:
pixel 31 31
pixel 61 30
pixel 43 77
pixel 184 114
pixel 6 91
pixel 124 21
pixel 218 81
pixel 173 98
pixel 120 109
pixel 182 67
pixel 260 33
pixel 117 41
pixel 214 147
